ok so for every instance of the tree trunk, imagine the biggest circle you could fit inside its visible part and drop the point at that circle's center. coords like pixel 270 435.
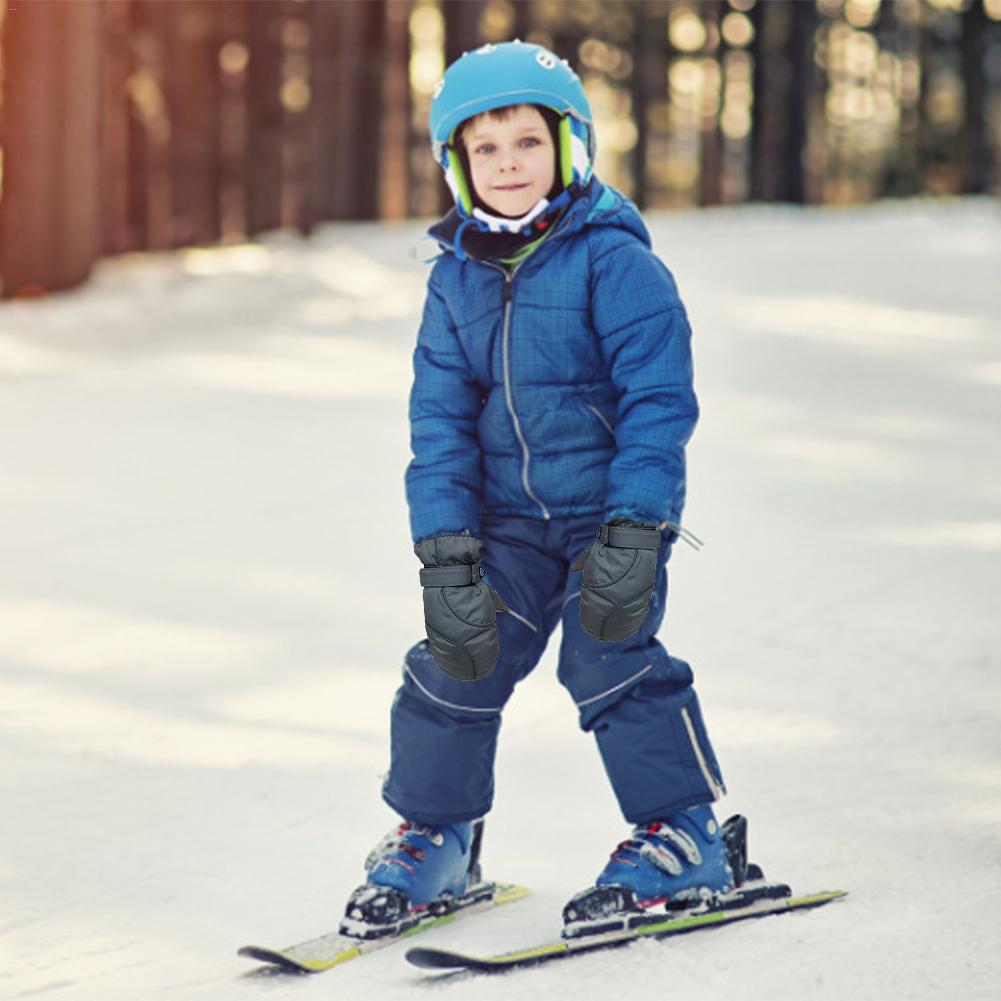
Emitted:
pixel 462 27
pixel 648 69
pixel 358 111
pixel 710 145
pixel 763 115
pixel 49 229
pixel 976 151
pixel 266 118
pixel 193 96
pixel 325 137
pixel 462 34
pixel 117 232
pixel 898 32
pixel 800 90
pixel 783 73
pixel 150 198
pixel 394 141
pixel 233 120
pixel 296 100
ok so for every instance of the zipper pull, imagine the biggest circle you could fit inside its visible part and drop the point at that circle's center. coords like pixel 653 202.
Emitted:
pixel 507 287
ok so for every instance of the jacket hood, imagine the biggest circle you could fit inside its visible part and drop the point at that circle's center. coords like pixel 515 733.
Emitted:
pixel 596 204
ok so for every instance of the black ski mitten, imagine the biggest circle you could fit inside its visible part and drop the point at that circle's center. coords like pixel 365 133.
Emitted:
pixel 619 571
pixel 459 607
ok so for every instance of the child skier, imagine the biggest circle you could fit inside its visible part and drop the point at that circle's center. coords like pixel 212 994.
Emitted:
pixel 551 405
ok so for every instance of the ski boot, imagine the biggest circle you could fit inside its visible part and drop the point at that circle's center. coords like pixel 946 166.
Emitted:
pixel 685 862
pixel 415 874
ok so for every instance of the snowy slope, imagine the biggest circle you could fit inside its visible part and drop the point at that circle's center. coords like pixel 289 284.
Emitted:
pixel 202 460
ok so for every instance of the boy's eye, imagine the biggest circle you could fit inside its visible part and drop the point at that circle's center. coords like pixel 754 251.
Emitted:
pixel 485 149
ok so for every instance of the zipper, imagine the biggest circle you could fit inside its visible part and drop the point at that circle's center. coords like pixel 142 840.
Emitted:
pixel 509 279
pixel 601 417
pixel 505 353
pixel 526 455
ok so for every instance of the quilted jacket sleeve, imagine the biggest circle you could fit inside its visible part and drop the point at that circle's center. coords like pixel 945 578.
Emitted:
pixel 646 343
pixel 444 478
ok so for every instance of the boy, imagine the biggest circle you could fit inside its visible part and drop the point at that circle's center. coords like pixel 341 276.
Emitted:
pixel 552 402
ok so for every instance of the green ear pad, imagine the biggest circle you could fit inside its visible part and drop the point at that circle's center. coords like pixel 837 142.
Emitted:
pixel 461 182
pixel 566 154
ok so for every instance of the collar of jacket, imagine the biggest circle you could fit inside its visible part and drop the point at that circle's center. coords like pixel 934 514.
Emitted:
pixel 494 246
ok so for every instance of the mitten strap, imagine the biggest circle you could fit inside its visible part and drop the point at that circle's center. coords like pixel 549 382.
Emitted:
pixel 451 576
pixel 624 537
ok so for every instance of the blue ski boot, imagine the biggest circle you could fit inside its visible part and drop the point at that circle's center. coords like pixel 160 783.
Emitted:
pixel 415 873
pixel 679 863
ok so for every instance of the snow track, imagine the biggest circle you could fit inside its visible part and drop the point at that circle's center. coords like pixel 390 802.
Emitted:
pixel 194 696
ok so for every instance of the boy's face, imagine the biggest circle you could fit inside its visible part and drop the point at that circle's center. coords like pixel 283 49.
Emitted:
pixel 512 161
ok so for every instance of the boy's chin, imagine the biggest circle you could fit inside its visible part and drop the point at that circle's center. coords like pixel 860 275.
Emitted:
pixel 510 209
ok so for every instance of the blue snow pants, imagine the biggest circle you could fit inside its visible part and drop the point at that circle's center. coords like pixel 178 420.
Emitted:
pixel 637 699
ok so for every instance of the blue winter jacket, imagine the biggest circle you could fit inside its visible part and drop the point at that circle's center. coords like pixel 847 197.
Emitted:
pixel 563 388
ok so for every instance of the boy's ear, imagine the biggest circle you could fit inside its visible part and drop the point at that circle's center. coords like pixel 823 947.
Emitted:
pixel 460 179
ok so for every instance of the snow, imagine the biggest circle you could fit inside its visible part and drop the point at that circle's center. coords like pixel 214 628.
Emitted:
pixel 202 459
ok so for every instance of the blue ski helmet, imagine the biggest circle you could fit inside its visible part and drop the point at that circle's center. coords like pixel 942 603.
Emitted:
pixel 502 74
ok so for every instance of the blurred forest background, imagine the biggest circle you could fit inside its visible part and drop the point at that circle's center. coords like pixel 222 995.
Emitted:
pixel 131 125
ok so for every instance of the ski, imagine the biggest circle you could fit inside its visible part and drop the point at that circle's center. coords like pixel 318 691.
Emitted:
pixel 328 951
pixel 687 921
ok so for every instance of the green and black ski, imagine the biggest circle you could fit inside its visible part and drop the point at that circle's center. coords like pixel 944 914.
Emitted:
pixel 328 951
pixel 763 903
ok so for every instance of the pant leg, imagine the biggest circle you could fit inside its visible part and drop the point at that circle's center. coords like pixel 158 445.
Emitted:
pixel 444 731
pixel 638 701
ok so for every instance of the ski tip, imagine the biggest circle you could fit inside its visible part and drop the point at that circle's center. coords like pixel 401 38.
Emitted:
pixel 273 959
pixel 435 959
pixel 506 893
pixel 822 897
pixel 252 951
